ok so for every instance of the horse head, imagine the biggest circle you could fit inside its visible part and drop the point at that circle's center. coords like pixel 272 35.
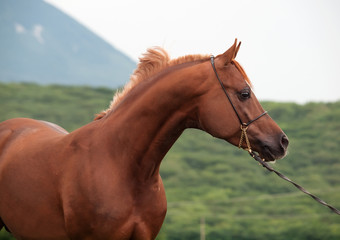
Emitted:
pixel 230 110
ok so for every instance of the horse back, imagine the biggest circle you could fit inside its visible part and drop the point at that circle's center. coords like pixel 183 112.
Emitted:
pixel 26 135
pixel 18 127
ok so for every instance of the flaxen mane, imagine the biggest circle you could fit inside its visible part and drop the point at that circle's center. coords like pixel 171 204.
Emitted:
pixel 153 61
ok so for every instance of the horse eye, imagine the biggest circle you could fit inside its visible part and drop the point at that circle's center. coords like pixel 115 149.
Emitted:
pixel 245 94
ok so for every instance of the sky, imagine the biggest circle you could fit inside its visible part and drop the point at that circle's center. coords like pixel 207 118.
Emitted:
pixel 290 48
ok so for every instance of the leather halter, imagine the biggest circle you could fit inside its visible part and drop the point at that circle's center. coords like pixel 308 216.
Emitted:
pixel 244 126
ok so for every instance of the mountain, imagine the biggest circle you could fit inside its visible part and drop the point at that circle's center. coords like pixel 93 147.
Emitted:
pixel 41 44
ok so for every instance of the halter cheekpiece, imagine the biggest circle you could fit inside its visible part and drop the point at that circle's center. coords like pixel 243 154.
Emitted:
pixel 244 126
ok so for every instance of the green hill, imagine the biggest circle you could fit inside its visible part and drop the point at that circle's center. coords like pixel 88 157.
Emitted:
pixel 206 178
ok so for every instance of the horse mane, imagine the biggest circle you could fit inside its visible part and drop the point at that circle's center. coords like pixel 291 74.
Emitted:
pixel 150 63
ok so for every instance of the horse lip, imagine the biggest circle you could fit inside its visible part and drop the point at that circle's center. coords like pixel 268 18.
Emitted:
pixel 267 155
pixel 268 158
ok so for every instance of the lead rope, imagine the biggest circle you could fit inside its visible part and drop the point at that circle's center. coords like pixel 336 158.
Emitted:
pixel 244 136
pixel 265 165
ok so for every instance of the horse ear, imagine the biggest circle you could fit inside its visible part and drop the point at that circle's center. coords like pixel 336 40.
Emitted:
pixel 228 55
pixel 237 48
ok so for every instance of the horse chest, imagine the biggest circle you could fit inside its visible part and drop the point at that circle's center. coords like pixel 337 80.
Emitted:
pixel 117 214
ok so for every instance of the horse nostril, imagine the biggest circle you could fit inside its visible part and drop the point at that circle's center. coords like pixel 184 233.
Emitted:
pixel 284 141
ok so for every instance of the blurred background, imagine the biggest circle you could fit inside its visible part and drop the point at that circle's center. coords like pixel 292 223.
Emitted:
pixel 62 61
pixel 290 48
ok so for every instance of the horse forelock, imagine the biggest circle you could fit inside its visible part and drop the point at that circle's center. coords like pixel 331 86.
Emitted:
pixel 241 70
pixel 150 63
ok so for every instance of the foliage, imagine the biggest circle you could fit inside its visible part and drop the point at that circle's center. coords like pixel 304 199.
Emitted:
pixel 208 178
pixel 69 107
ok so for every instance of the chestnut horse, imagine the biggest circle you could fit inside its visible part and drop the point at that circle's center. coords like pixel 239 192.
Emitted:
pixel 102 180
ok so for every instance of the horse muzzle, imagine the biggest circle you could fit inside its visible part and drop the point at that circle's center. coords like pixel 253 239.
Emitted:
pixel 273 150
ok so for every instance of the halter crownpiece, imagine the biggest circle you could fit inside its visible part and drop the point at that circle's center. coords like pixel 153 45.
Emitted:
pixel 244 137
pixel 244 126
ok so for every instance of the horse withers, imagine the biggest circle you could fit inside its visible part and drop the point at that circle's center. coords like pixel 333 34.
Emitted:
pixel 102 180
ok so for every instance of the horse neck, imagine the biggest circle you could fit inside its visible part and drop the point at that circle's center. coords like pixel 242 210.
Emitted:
pixel 148 121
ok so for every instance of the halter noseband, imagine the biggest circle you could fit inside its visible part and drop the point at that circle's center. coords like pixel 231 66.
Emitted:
pixel 244 126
